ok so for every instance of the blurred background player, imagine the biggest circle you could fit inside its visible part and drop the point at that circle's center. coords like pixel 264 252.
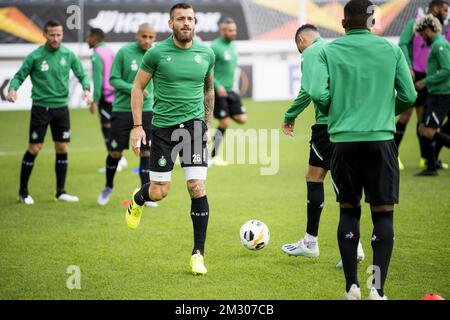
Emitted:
pixel 228 103
pixel 102 59
pixel 182 73
pixel 123 71
pixel 437 81
pixel 364 152
pixel 309 43
pixel 49 69
pixel 416 52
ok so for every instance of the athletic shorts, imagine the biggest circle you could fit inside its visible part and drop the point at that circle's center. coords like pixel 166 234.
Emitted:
pixel 57 118
pixel 320 147
pixel 189 141
pixel 104 111
pixel 436 110
pixel 228 107
pixel 368 166
pixel 121 126
pixel 422 95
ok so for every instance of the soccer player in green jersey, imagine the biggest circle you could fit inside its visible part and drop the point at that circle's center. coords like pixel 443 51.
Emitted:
pixel 228 103
pixel 309 43
pixel 49 68
pixel 123 72
pixel 361 82
pixel 437 81
pixel 183 77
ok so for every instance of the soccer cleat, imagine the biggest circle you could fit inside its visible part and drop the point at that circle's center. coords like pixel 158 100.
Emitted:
pixel 64 197
pixel 301 248
pixel 401 166
pixel 198 264
pixel 219 162
pixel 361 256
pixel 374 295
pixel 151 204
pixel 133 213
pixel 442 165
pixel 123 163
pixel 422 163
pixel 427 173
pixel 103 197
pixel 28 200
pixel 354 293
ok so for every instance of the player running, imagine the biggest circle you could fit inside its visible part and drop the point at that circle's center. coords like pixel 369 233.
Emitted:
pixel 227 102
pixel 437 80
pixel 416 52
pixel 309 43
pixel 361 82
pixel 49 69
pixel 123 71
pixel 182 73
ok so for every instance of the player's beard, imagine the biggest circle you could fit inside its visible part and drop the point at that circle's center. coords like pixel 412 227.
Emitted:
pixel 181 37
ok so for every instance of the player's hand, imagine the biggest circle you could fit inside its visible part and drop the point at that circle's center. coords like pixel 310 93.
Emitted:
pixel 420 85
pixel 138 138
pixel 87 97
pixel 12 96
pixel 93 107
pixel 288 129
pixel 413 74
pixel 145 93
pixel 222 93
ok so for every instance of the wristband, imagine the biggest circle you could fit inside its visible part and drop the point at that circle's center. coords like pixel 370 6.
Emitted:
pixel 136 126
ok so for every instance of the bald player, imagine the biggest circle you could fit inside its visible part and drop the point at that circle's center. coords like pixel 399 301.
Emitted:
pixel 123 71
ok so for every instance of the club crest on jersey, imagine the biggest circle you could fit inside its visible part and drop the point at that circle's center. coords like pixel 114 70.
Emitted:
pixel 134 65
pixel 198 58
pixel 34 135
pixel 44 66
pixel 114 144
pixel 63 62
pixel 162 162
pixel 227 56
pixel 169 59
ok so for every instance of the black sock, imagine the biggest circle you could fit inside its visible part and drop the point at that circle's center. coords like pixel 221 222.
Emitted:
pixel 315 206
pixel 199 216
pixel 446 130
pixel 442 138
pixel 220 133
pixel 61 165
pixel 143 195
pixel 25 172
pixel 106 132
pixel 430 154
pixel 382 244
pixel 400 132
pixel 348 239
pixel 111 168
pixel 144 170
pixel 422 142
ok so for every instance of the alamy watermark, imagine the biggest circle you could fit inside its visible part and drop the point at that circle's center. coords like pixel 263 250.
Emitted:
pixel 73 282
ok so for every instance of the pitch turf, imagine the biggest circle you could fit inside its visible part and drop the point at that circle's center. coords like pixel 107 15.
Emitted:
pixel 39 242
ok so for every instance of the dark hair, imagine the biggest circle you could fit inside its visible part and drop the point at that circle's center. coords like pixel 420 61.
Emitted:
pixel 305 27
pixel 97 32
pixel 428 22
pixel 355 9
pixel 51 24
pixel 181 5
pixel 227 20
pixel 437 3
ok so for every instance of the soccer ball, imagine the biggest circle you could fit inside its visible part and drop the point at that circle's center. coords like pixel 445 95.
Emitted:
pixel 255 235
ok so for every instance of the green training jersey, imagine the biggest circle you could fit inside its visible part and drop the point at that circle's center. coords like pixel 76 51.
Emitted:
pixel 303 99
pixel 49 71
pixel 179 77
pixel 226 62
pixel 361 81
pixel 123 71
pixel 97 73
pixel 438 72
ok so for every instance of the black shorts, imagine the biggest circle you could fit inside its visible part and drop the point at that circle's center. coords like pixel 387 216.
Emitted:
pixel 228 107
pixel 59 121
pixel 372 166
pixel 320 147
pixel 121 126
pixel 188 140
pixel 104 111
pixel 422 95
pixel 436 109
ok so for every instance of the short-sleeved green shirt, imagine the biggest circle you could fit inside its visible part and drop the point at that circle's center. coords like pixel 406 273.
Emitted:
pixel 178 78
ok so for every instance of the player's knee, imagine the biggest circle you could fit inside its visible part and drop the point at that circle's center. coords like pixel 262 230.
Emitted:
pixel 61 148
pixel 34 148
pixel 314 177
pixel 224 123
pixel 144 153
pixel 347 205
pixel 107 125
pixel 159 191
pixel 241 119
pixel 196 188
pixel 383 208
pixel 116 154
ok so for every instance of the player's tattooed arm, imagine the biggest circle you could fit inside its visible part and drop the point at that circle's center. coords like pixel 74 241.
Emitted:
pixel 209 99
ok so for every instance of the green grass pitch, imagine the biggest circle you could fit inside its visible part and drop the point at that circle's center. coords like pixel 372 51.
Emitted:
pixel 38 243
